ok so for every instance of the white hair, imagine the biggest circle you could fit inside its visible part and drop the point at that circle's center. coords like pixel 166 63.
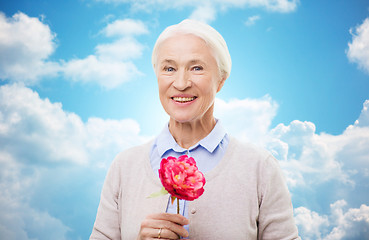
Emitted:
pixel 202 30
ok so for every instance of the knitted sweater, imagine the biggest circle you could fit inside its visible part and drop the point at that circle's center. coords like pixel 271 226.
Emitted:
pixel 245 198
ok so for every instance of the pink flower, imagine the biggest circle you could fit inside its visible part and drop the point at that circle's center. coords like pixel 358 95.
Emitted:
pixel 181 177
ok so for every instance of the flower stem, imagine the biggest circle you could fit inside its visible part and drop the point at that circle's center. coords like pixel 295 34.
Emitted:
pixel 178 211
pixel 177 205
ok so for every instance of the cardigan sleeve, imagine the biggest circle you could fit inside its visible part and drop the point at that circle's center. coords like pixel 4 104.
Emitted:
pixel 107 223
pixel 276 219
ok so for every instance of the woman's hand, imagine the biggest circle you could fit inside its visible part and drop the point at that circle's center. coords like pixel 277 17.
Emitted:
pixel 163 226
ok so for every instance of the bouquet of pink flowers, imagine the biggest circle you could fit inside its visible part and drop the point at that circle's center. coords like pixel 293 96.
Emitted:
pixel 181 179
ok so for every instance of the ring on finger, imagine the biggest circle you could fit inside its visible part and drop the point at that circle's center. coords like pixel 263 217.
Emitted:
pixel 159 233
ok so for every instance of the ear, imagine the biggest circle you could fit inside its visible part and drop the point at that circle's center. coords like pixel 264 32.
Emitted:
pixel 221 83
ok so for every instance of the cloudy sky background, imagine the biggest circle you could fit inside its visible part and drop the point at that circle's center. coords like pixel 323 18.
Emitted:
pixel 77 87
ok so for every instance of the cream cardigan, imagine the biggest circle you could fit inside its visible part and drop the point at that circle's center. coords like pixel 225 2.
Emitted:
pixel 245 198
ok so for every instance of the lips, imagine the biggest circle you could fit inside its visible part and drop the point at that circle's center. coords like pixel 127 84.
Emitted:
pixel 183 99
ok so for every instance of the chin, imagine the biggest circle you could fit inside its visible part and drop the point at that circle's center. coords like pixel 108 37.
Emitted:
pixel 182 119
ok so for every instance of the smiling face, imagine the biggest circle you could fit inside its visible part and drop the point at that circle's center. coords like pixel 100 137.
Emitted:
pixel 188 78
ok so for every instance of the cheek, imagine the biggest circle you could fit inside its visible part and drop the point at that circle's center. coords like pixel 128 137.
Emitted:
pixel 161 86
pixel 209 88
pixel 208 98
pixel 164 82
pixel 162 97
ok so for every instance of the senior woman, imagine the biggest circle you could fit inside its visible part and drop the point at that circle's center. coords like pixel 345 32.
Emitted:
pixel 245 195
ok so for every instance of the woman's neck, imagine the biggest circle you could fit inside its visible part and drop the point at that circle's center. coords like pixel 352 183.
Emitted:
pixel 189 133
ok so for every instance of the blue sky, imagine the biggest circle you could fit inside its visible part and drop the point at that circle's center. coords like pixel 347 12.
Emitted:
pixel 77 87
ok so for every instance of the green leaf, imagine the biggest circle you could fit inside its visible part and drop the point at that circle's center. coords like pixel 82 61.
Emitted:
pixel 162 192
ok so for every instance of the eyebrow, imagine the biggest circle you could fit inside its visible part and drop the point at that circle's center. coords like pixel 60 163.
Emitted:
pixel 194 61
pixel 167 61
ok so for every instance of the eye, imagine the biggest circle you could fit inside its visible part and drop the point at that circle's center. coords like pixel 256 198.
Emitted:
pixel 197 68
pixel 169 69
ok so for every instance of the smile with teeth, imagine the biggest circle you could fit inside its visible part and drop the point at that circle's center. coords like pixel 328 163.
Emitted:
pixel 183 99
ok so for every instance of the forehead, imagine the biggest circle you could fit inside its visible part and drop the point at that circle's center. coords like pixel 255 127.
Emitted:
pixel 184 45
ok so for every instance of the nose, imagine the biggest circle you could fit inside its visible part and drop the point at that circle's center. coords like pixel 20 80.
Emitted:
pixel 182 81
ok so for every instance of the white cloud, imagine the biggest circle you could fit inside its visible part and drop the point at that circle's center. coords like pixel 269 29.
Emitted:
pixel 204 13
pixel 311 224
pixel 358 49
pixel 283 6
pixel 363 119
pixel 310 158
pixel 108 137
pixel 21 222
pixel 120 50
pixel 28 123
pixel 352 148
pixel 25 45
pixel 306 157
pixel 252 20
pixel 248 119
pixel 125 27
pixel 111 65
pixel 271 5
pixel 206 10
pixel 18 220
pixel 109 74
pixel 52 163
pixel 352 224
pixel 340 224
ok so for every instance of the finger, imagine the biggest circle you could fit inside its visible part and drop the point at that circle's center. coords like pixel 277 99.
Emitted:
pixel 176 218
pixel 167 234
pixel 173 229
pixel 154 233
pixel 154 223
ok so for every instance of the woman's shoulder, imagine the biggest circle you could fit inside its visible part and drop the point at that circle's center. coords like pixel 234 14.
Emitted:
pixel 145 147
pixel 135 153
pixel 251 155
pixel 256 160
pixel 247 148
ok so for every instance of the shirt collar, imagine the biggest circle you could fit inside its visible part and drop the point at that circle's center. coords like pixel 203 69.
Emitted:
pixel 165 140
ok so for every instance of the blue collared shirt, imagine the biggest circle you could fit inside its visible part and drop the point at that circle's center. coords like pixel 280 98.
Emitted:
pixel 207 153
